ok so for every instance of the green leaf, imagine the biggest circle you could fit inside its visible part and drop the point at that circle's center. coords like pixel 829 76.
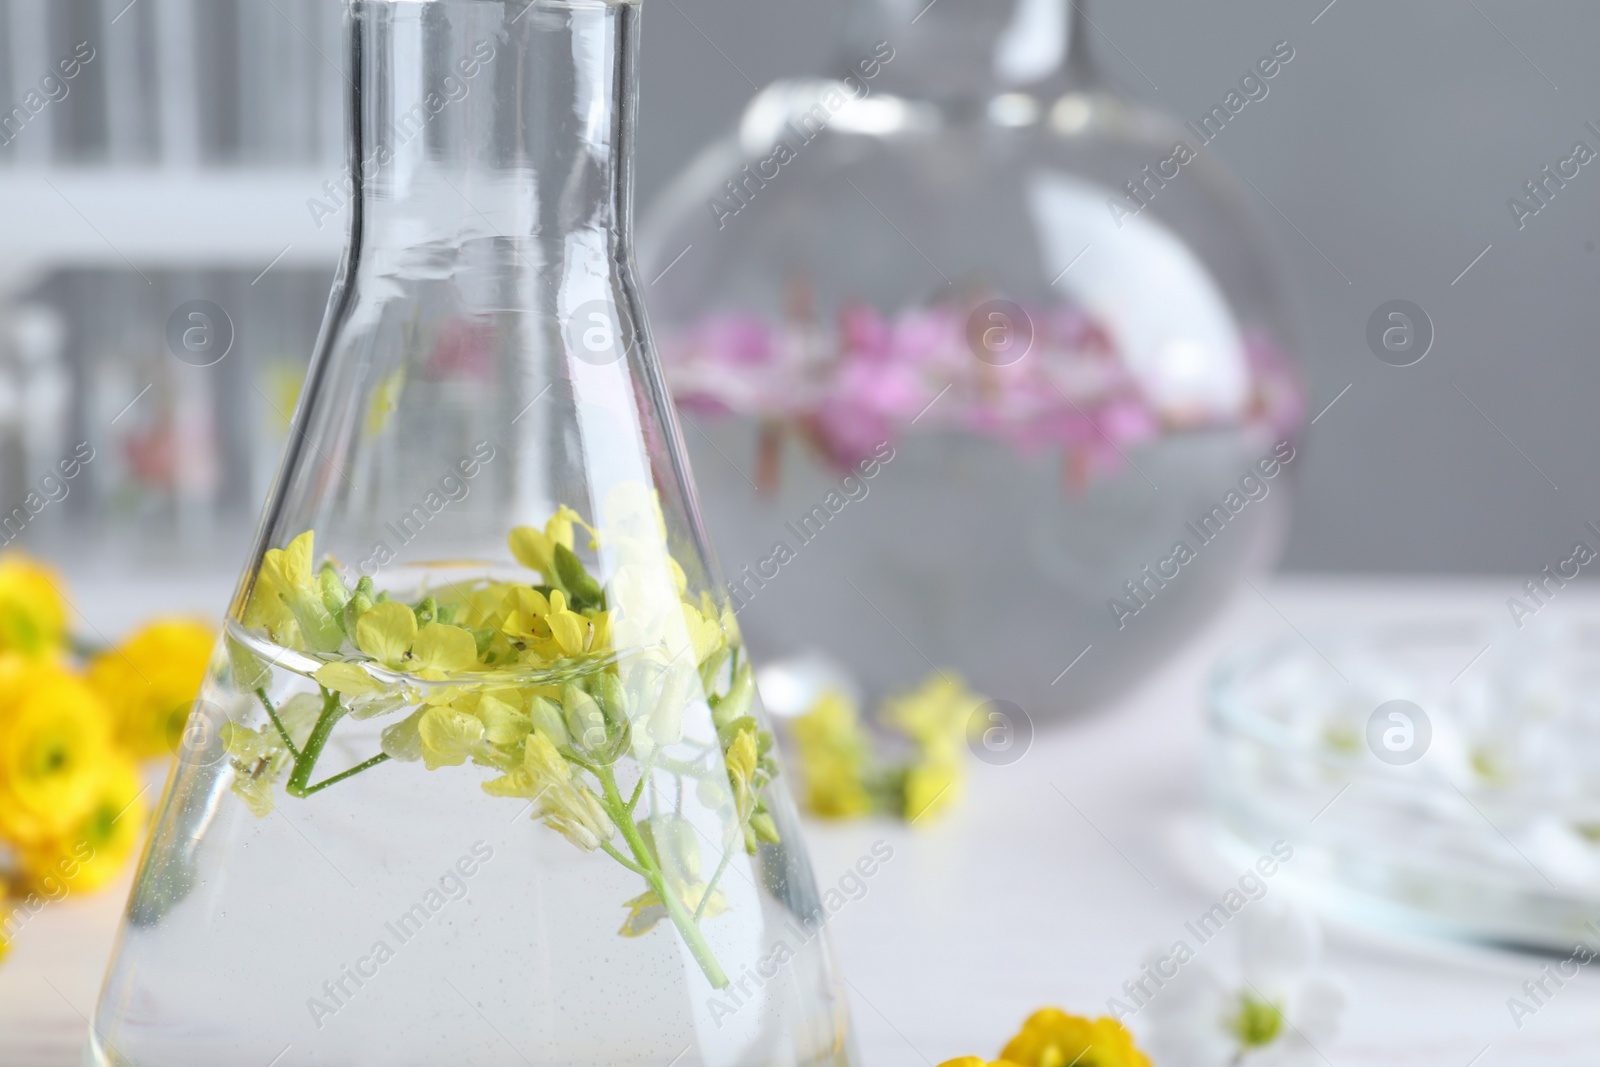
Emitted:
pixel 584 590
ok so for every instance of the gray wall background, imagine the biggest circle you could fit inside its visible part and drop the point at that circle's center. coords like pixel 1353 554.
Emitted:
pixel 1389 148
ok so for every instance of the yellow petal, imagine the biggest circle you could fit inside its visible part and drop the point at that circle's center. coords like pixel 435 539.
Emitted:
pixel 742 759
pixel 449 737
pixel 247 745
pixel 569 631
pixel 705 636
pixel 487 606
pixel 528 600
pixel 257 794
pixel 503 724
pixel 441 647
pixel 532 549
pixel 559 528
pixel 347 678
pixel 296 562
pixel 266 609
pixel 386 632
pixel 644 912
pixel 600 638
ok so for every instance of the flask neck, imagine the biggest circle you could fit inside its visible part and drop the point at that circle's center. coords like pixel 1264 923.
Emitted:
pixel 491 119
pixel 972 49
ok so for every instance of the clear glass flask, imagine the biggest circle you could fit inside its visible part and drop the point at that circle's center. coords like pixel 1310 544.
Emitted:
pixel 480 600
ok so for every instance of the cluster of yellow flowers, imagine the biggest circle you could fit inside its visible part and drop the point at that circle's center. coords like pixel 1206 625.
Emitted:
pixel 562 686
pixel 843 775
pixel 1052 1038
pixel 72 730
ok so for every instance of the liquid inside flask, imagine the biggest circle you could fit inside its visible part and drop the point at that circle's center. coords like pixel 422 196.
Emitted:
pixel 479 774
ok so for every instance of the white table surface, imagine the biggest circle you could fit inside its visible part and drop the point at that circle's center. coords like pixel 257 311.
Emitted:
pixel 1021 897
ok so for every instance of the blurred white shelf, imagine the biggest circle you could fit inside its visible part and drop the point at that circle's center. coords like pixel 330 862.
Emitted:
pixel 154 218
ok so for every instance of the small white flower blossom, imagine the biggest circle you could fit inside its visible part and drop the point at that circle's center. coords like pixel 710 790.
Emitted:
pixel 1282 1011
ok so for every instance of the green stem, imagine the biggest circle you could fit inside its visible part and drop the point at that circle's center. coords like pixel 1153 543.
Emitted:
pixel 342 775
pixel 698 947
pixel 272 713
pixel 611 850
pixel 644 776
pixel 306 761
pixel 690 768
pixel 727 855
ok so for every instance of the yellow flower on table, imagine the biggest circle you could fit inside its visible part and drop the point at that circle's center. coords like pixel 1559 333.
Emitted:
pixel 936 714
pixel 93 851
pixel 933 785
pixel 149 683
pixel 831 749
pixel 54 744
pixel 33 613
pixel 1052 1038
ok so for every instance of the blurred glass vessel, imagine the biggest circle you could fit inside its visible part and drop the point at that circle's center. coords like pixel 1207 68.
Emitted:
pixel 966 265
pixel 480 599
pixel 1441 779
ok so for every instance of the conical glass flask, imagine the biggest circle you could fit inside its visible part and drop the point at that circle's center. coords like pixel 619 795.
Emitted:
pixel 480 774
pixel 967 260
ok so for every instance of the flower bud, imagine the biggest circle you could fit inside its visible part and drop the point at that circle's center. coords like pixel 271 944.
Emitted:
pixel 586 723
pixel 547 720
pixel 334 594
pixel 736 705
pixel 765 829
pixel 359 604
pixel 607 689
pixel 678 688
pixel 427 611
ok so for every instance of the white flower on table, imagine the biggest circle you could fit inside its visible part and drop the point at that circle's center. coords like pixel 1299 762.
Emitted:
pixel 1282 1011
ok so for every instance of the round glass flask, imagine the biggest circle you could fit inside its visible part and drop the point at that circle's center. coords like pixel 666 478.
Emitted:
pixel 479 773
pixel 984 363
